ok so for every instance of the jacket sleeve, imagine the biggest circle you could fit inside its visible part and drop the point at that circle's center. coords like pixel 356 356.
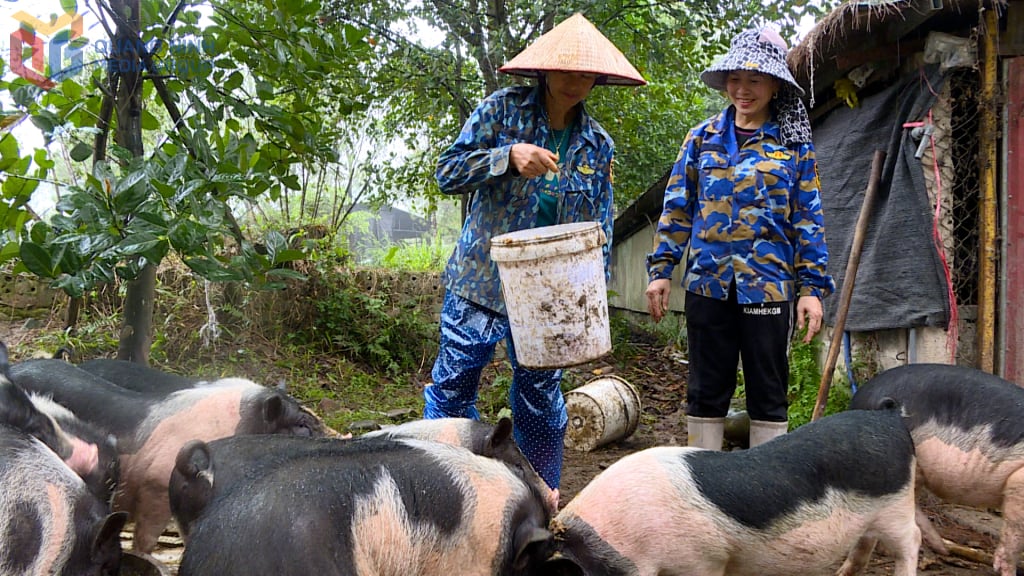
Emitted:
pixel 476 156
pixel 811 260
pixel 676 223
pixel 606 209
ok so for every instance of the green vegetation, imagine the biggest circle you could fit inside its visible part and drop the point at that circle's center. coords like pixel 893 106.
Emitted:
pixel 804 380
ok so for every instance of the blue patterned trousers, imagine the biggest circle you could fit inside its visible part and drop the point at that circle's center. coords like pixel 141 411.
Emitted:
pixel 469 335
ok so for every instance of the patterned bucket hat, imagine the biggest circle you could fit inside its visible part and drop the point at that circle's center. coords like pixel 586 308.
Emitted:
pixel 755 50
pixel 575 45
pixel 763 50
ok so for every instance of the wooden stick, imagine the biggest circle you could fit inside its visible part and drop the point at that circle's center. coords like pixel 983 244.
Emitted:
pixel 848 280
pixel 973 554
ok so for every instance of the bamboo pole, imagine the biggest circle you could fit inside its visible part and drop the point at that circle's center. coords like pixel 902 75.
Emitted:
pixel 859 232
pixel 987 220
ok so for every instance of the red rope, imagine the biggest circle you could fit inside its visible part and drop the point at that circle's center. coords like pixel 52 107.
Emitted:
pixel 952 333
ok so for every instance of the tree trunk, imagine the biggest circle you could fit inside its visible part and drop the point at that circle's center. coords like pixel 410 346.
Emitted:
pixel 136 332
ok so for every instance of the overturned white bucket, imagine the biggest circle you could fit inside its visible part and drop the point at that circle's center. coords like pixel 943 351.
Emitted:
pixel 603 410
pixel 552 279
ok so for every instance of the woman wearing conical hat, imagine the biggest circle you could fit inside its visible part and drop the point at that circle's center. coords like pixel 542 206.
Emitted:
pixel 532 156
pixel 743 196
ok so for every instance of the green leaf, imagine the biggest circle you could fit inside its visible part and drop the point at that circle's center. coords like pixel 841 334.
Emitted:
pixel 71 89
pixel 8 151
pixel 289 255
pixel 42 159
pixel 73 286
pixel 136 244
pixel 9 250
pixel 286 273
pixel 43 123
pixel 234 81
pixel 16 187
pixel 149 121
pixel 37 260
pixel 80 152
pixel 212 270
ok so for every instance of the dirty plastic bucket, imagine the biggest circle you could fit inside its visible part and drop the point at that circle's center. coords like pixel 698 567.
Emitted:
pixel 553 282
pixel 603 410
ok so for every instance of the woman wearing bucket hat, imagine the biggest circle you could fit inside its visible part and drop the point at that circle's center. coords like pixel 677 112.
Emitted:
pixel 743 196
pixel 531 157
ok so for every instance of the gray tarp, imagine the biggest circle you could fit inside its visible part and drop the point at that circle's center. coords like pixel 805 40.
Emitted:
pixel 900 282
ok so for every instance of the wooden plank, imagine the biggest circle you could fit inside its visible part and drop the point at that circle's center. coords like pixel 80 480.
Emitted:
pixel 1011 40
pixel 1013 356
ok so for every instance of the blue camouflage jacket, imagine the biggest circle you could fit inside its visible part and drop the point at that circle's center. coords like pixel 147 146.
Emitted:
pixel 750 215
pixel 479 162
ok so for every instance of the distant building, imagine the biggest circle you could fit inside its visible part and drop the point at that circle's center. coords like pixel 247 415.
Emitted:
pixel 387 226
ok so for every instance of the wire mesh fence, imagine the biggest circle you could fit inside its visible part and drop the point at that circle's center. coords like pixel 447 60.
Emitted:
pixel 951 173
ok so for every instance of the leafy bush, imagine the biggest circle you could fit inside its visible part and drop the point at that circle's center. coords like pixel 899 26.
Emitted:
pixel 368 328
pixel 804 379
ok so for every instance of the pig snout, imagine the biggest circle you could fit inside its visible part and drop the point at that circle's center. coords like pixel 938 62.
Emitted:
pixel 84 459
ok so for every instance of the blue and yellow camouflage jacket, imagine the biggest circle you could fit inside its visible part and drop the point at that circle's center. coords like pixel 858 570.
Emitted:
pixel 479 162
pixel 749 215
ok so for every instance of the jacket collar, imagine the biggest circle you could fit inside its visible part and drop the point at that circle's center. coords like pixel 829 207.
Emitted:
pixel 535 101
pixel 725 121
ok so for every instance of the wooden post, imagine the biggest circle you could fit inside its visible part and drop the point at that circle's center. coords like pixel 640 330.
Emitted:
pixel 848 281
pixel 988 222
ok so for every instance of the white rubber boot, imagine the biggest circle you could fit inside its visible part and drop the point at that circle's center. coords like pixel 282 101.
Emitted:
pixel 762 431
pixel 705 432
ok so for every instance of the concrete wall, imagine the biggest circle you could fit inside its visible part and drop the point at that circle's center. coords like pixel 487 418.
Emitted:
pixel 629 274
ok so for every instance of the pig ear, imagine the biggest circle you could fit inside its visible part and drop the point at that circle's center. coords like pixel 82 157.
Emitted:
pixel 108 535
pixel 888 403
pixel 501 434
pixel 273 408
pixel 559 565
pixel 531 545
pixel 5 362
pixel 194 459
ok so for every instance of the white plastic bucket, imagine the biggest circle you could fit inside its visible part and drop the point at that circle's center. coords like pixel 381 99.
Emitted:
pixel 553 282
pixel 603 410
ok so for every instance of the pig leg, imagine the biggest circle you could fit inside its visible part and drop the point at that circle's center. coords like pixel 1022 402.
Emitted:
pixel 929 533
pixel 902 537
pixel 150 523
pixel 1011 541
pixel 858 557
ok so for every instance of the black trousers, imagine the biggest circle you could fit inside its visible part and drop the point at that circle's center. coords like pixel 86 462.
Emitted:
pixel 719 333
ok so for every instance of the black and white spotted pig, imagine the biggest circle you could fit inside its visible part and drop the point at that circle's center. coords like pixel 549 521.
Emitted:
pixel 151 429
pixel 204 470
pixel 50 523
pixel 491 440
pixel 796 505
pixel 101 467
pixel 149 380
pixel 135 376
pixel 374 506
pixel 968 429
pixel 87 451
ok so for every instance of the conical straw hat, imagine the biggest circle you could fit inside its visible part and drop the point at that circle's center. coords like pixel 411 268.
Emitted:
pixel 575 45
